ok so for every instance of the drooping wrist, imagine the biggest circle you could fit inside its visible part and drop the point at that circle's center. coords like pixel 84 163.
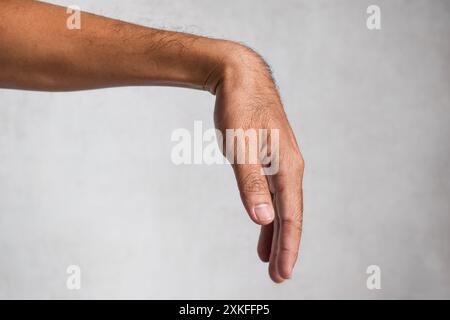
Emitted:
pixel 240 68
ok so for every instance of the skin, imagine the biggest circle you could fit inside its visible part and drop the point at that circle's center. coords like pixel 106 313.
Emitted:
pixel 39 52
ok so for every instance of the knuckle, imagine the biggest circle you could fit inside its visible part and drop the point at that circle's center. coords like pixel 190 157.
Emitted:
pixel 299 163
pixel 284 248
pixel 293 222
pixel 287 249
pixel 253 183
pixel 293 162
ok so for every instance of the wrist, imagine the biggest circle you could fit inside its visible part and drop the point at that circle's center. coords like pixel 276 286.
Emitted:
pixel 237 67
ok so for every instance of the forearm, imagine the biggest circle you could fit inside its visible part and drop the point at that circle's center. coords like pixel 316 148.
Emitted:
pixel 38 52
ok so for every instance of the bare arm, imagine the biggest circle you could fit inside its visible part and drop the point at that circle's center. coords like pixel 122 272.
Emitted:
pixel 38 52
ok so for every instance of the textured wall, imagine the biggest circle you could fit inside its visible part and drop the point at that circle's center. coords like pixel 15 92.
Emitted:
pixel 86 177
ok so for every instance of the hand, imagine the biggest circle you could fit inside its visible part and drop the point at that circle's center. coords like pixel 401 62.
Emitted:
pixel 38 52
pixel 247 98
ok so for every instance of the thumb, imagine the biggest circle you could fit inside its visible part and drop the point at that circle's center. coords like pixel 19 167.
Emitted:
pixel 255 193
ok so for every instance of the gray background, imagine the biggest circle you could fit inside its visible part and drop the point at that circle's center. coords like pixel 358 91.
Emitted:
pixel 86 177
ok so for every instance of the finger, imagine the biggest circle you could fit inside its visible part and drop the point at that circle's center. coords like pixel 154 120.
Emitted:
pixel 254 191
pixel 265 242
pixel 289 209
pixel 273 265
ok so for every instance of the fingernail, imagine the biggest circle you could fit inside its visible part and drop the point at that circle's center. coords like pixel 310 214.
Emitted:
pixel 264 212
